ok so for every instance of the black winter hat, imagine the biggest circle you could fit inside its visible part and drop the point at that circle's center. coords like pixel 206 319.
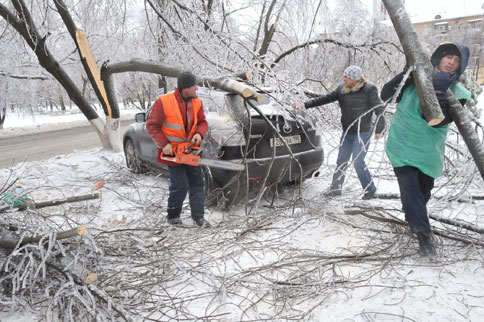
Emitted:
pixel 451 50
pixel 186 80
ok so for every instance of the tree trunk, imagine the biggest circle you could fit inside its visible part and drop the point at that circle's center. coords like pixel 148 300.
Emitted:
pixel 3 113
pixel 86 57
pixel 466 129
pixel 62 104
pixel 137 65
pixel 162 83
pixel 423 71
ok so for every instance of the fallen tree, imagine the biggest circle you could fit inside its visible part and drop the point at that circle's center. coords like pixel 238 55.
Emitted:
pixel 137 65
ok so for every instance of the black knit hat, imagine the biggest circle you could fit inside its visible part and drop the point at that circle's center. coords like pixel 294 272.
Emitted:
pixel 451 50
pixel 186 80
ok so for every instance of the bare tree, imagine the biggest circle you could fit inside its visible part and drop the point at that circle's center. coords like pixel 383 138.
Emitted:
pixel 20 17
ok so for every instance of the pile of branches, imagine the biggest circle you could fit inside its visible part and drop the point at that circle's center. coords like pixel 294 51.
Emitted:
pixel 53 274
pixel 161 273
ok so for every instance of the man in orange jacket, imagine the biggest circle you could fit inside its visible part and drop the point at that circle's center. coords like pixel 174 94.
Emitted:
pixel 177 120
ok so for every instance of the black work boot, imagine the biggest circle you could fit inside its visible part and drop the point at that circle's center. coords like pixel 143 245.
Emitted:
pixel 426 245
pixel 176 221
pixel 369 195
pixel 201 222
pixel 332 193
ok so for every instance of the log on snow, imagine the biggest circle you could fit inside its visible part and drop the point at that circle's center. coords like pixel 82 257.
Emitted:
pixel 51 203
pixel 55 202
pixel 416 57
pixel 10 243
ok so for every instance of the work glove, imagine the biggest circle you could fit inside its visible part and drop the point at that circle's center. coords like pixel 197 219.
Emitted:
pixel 441 82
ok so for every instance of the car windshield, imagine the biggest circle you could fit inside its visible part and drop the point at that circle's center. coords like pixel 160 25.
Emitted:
pixel 230 107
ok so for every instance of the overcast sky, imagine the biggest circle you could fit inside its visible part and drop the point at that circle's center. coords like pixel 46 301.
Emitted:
pixel 428 9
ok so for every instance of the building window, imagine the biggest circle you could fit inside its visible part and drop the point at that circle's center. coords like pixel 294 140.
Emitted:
pixel 476 23
pixel 441 27
pixel 427 30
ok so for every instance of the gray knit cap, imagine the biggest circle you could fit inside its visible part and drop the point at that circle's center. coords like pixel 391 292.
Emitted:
pixel 353 72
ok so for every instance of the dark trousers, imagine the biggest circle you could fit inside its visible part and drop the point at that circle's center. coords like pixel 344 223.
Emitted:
pixel 183 179
pixel 353 146
pixel 415 187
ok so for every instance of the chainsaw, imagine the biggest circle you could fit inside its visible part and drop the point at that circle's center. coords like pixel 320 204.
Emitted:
pixel 191 156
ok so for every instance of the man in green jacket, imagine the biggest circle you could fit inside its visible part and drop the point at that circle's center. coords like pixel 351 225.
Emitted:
pixel 415 149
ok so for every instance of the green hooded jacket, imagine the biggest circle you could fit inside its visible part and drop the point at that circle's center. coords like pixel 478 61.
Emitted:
pixel 411 142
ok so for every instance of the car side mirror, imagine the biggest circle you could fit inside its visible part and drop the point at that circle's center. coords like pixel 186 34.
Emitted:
pixel 140 117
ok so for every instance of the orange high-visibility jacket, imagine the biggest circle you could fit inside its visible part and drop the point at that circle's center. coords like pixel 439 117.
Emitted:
pixel 195 118
pixel 173 126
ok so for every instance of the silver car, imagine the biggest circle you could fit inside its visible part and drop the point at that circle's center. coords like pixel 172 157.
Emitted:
pixel 243 131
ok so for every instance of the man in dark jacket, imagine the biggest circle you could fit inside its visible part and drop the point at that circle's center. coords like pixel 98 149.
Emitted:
pixel 176 121
pixel 357 99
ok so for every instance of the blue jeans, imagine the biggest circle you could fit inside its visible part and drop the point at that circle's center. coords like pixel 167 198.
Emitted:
pixel 183 179
pixel 353 146
pixel 415 187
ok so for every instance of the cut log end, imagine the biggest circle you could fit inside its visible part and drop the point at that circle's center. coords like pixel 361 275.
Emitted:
pixel 435 121
pixel 247 92
pixel 81 230
pixel 243 75
pixel 90 278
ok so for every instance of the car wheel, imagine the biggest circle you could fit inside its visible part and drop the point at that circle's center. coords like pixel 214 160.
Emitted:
pixel 132 161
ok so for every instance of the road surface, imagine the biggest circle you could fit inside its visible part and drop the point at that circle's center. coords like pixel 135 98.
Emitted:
pixel 43 146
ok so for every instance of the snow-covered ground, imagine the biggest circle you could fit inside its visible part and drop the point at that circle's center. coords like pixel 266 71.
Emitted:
pixel 305 257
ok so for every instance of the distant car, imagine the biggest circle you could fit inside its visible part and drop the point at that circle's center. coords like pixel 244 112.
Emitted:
pixel 267 159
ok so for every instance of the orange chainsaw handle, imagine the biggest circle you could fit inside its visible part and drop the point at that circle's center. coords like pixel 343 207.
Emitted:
pixel 183 156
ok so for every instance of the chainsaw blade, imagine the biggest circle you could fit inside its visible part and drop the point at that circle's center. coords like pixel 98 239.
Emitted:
pixel 221 164
pixel 192 160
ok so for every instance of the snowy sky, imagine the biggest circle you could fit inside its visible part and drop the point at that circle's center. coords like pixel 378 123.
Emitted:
pixel 428 9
